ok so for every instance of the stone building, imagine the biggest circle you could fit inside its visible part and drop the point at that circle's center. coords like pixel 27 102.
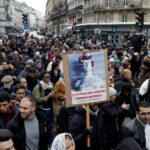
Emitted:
pixel 108 20
pixel 48 13
pixel 5 16
pixel 113 19
pixel 58 17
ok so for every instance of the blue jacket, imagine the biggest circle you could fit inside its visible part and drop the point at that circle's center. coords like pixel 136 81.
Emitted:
pixel 3 89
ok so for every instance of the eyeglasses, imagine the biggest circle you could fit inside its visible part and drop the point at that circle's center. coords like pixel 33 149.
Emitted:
pixel 20 93
pixel 144 114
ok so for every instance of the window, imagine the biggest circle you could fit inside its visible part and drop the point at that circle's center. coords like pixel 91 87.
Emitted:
pixel 124 17
pixel 125 2
pixel 107 17
pixel 108 3
pixel 116 2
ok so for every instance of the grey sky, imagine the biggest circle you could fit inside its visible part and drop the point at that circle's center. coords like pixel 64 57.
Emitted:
pixel 39 5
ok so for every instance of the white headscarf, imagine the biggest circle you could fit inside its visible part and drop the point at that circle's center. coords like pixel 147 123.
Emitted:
pixel 59 142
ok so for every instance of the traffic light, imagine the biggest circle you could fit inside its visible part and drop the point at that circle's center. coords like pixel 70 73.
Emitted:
pixel 140 20
pixel 24 18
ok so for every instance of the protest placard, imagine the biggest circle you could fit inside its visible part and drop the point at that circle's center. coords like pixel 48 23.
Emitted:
pixel 86 77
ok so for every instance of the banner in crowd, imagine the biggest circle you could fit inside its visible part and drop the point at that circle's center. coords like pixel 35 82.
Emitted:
pixel 86 77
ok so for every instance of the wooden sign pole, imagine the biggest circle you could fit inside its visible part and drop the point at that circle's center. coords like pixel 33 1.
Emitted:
pixel 88 124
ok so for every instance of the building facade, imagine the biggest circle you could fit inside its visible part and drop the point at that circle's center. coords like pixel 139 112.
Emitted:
pixel 59 16
pixel 5 16
pixel 48 13
pixel 113 20
pixel 108 20
pixel 11 19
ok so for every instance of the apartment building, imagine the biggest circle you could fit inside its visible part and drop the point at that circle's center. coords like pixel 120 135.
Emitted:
pixel 107 19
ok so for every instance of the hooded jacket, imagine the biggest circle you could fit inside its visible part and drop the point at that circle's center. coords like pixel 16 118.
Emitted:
pixel 128 144
pixel 136 130
pixel 6 118
pixel 77 128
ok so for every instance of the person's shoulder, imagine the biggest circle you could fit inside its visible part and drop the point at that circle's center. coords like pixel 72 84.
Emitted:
pixel 131 125
pixel 28 92
pixel 14 123
pixel 2 88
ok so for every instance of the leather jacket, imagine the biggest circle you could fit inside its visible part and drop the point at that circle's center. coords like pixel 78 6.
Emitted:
pixel 135 129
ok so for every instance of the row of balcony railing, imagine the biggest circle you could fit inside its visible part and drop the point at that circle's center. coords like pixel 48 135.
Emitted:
pixel 98 7
pixel 131 5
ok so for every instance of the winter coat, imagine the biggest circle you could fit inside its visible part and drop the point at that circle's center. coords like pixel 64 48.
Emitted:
pixel 136 130
pixel 77 128
pixel 39 72
pixel 39 95
pixel 32 82
pixel 9 91
pixel 121 81
pixel 131 99
pixel 15 114
pixel 128 144
pixel 60 89
pixel 8 71
pixel 64 118
pixel 113 115
pixel 144 77
pixel 144 91
pixel 17 127
pixel 23 73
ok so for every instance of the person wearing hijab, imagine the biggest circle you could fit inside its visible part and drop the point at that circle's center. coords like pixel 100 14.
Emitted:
pixel 63 141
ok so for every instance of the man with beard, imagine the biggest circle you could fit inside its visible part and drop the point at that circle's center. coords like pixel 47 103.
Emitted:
pixel 8 110
pixel 139 127
pixel 29 127
pixel 7 70
pixel 8 84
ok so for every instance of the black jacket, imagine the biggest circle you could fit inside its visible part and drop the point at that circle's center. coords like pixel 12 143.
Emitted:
pixel 128 144
pixel 77 128
pixel 136 130
pixel 16 112
pixel 113 116
pixel 17 127
pixel 121 81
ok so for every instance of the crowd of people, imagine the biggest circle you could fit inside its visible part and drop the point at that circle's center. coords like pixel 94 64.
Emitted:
pixel 32 96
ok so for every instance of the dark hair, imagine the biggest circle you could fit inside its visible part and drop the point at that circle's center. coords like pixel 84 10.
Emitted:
pixel 126 87
pixel 5 135
pixel 32 70
pixel 14 63
pixel 54 65
pixel 4 96
pixel 146 63
pixel 119 54
pixel 42 74
pixel 31 99
pixel 58 57
pixel 18 86
pixel 6 60
pixel 18 80
pixel 144 104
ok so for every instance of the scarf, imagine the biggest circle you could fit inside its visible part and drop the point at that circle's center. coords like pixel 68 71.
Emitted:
pixel 59 142
pixel 94 113
pixel 147 133
pixel 45 85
